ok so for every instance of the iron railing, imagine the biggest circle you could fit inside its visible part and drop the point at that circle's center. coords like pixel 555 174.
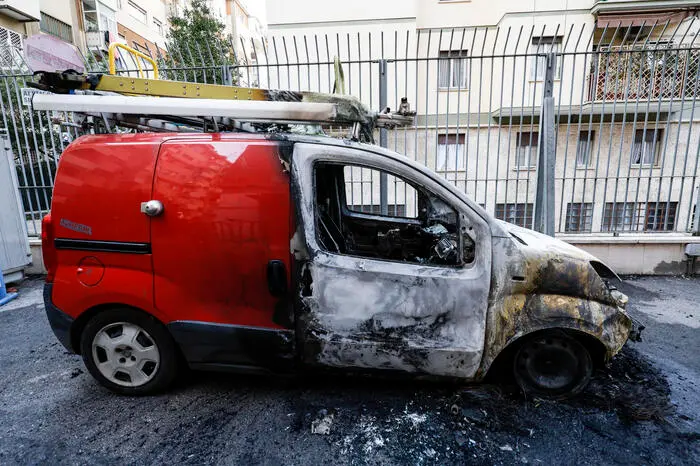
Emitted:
pixel 624 72
pixel 625 132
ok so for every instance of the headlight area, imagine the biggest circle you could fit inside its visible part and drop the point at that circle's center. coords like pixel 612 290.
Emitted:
pixel 620 298
pixel 608 275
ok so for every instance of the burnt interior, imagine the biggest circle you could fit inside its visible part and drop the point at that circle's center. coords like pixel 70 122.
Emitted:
pixel 432 237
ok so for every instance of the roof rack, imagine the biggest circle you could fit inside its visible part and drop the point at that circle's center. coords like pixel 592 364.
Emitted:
pixel 164 105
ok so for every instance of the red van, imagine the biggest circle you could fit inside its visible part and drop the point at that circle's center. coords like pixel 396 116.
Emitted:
pixel 244 251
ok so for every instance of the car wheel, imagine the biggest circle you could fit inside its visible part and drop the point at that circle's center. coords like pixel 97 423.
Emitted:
pixel 552 365
pixel 129 352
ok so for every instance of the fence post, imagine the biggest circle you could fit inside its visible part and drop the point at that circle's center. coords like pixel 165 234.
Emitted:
pixel 544 197
pixel 226 78
pixel 696 224
pixel 383 188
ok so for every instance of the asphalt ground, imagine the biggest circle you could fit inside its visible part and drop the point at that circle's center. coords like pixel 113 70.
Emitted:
pixel 644 408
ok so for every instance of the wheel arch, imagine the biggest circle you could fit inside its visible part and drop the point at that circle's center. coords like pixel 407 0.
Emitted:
pixel 516 315
pixel 501 365
pixel 82 320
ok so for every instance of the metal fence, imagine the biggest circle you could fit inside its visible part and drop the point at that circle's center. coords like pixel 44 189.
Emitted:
pixel 622 133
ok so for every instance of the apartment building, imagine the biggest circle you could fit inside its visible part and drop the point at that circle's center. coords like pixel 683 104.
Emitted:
pixel 89 25
pixel 20 19
pixel 625 79
pixel 140 24
pixel 470 70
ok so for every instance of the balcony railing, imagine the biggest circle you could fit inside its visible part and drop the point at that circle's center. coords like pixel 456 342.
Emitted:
pixel 662 72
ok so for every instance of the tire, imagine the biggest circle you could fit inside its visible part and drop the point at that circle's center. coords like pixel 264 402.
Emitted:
pixel 129 352
pixel 552 365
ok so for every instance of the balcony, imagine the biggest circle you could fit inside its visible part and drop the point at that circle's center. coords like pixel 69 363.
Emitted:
pixel 665 72
pixel 21 10
pixel 641 6
pixel 97 39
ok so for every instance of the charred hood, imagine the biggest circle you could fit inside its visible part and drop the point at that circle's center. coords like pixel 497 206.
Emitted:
pixel 551 266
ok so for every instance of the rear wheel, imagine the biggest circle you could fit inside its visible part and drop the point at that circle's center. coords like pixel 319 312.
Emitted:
pixel 552 365
pixel 129 352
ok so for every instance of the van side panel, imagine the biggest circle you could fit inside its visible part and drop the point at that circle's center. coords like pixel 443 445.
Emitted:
pixel 127 279
pixel 226 215
pixel 100 184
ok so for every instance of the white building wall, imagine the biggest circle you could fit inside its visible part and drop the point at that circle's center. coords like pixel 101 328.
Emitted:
pixel 308 13
pixel 448 14
pixel 145 27
pixel 60 9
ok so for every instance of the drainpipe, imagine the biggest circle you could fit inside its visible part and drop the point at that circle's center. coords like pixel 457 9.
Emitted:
pixel 78 26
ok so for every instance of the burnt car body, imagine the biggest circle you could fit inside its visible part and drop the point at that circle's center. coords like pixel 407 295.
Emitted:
pixel 442 319
pixel 254 256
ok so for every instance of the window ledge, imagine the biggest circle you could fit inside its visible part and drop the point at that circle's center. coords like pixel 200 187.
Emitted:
pixel 452 89
pixel 585 168
pixel 629 237
pixel 524 169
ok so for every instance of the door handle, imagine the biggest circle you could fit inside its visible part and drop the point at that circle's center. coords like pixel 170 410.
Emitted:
pixel 277 278
pixel 152 208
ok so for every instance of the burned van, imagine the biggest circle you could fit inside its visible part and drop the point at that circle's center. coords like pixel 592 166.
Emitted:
pixel 244 251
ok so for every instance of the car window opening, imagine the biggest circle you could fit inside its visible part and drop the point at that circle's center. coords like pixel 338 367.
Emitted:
pixel 422 230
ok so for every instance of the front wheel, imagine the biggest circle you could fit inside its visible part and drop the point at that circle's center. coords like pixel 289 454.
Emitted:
pixel 552 365
pixel 129 352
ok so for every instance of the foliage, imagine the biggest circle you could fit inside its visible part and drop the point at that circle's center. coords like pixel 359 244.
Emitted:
pixel 197 42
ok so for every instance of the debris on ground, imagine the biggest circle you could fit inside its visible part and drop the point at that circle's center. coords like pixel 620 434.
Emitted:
pixel 322 424
pixel 416 419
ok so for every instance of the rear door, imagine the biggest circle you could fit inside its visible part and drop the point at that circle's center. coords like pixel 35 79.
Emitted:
pixel 404 289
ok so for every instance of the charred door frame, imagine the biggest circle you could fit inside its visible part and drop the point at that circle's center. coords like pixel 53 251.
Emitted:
pixel 461 292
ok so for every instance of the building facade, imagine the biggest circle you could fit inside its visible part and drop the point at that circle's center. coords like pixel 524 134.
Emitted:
pixel 624 78
pixel 624 85
pixel 89 25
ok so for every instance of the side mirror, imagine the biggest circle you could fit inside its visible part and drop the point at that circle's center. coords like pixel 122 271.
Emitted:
pixel 277 278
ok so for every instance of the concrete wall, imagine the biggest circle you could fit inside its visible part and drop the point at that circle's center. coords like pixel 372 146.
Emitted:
pixel 643 255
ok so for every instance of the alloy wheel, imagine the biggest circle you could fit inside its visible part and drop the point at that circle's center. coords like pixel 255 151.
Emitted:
pixel 125 354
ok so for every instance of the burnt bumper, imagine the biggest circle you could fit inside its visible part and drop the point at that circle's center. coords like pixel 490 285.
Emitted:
pixel 60 321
